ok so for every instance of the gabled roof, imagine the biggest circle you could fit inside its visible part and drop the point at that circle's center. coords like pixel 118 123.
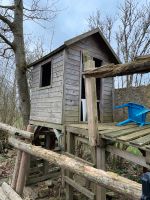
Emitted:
pixel 77 39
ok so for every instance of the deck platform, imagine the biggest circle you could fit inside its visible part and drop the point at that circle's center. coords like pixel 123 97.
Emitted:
pixel 131 135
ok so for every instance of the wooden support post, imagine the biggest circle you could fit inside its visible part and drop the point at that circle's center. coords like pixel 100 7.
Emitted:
pixel 22 172
pixel 90 91
pixel 16 170
pixel 97 152
pixel 100 164
pixel 64 149
pixel 47 146
pixel 24 167
pixel 70 149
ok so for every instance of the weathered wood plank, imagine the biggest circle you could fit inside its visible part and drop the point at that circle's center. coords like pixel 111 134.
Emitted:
pixel 116 134
pixel 90 91
pixel 135 135
pixel 140 160
pixel 111 128
pixel 2 195
pixel 78 187
pixel 15 131
pixel 141 141
pixel 9 192
pixel 109 180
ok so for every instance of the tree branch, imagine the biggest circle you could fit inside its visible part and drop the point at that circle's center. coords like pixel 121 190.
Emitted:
pixel 6 41
pixel 7 21
pixel 8 7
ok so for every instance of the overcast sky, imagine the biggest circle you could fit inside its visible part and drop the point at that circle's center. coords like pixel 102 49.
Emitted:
pixel 71 20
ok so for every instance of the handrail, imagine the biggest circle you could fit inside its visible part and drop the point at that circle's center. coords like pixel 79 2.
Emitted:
pixel 15 131
pixel 109 180
pixel 112 70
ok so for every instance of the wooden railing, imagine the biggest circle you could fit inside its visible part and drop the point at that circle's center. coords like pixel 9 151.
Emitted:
pixel 108 180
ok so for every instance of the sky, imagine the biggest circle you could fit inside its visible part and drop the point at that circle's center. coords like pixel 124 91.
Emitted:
pixel 70 21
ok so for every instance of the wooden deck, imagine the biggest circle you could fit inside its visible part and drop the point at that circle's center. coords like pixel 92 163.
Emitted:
pixel 131 134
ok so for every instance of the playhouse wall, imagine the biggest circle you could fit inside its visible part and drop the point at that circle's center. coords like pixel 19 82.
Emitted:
pixel 72 80
pixel 46 102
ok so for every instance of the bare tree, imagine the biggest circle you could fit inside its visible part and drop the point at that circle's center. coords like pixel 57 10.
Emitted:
pixel 12 40
pixel 132 36
pixel 104 24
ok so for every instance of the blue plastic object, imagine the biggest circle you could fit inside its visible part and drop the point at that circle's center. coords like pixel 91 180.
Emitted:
pixel 136 113
pixel 145 186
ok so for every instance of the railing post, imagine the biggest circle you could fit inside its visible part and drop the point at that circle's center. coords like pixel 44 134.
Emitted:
pixel 24 167
pixel 98 153
pixel 145 186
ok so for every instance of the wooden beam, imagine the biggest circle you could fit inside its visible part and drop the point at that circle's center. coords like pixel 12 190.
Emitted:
pixel 47 124
pixel 15 131
pixel 91 97
pixel 100 164
pixel 109 180
pixel 9 192
pixel 112 70
pixel 80 188
pixel 139 160
pixel 2 195
pixel 22 172
pixel 16 170
pixel 71 150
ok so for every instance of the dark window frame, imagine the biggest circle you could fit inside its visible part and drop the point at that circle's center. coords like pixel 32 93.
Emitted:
pixel 45 71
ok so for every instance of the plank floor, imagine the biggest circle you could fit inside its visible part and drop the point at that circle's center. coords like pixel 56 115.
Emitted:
pixel 131 134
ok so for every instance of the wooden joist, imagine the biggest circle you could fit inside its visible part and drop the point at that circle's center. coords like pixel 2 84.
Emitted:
pixel 112 70
pixel 109 180
pixel 15 131
pixel 137 159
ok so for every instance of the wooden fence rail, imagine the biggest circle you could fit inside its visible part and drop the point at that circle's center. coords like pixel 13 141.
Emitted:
pixel 112 70
pixel 15 131
pixel 108 180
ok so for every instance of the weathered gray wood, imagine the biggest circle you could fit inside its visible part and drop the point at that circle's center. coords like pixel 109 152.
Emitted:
pixel 70 149
pixel 140 160
pixel 78 187
pixel 119 133
pixel 48 96
pixel 78 159
pixel 141 141
pixel 16 169
pixel 15 131
pixel 147 157
pixel 135 135
pixel 34 180
pixel 77 130
pixel 111 70
pixel 2 195
pixel 9 192
pixel 100 164
pixel 90 91
pixel 25 159
pixel 109 180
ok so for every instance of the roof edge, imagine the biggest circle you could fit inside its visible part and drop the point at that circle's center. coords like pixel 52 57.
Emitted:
pixel 47 55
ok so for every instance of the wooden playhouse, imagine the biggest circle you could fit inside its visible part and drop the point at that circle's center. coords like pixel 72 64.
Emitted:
pixel 58 90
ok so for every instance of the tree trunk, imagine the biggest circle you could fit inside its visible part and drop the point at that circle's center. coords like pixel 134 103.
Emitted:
pixel 21 66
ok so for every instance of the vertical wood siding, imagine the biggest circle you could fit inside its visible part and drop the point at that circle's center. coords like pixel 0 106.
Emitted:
pixel 73 84
pixel 46 102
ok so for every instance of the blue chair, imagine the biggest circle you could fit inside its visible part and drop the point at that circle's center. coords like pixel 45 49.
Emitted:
pixel 136 113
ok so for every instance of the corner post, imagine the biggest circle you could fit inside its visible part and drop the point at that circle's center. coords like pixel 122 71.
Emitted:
pixel 98 152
